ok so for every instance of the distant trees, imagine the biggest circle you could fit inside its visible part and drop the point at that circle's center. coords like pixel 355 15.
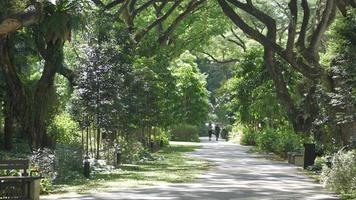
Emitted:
pixel 191 105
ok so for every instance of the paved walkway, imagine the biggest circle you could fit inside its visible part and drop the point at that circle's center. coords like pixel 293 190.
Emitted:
pixel 238 175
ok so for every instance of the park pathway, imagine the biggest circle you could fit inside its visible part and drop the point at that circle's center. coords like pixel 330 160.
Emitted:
pixel 238 174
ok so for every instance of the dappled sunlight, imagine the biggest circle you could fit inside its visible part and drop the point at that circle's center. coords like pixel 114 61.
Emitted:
pixel 237 174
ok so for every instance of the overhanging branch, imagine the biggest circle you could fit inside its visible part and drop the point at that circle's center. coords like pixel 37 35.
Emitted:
pixel 14 22
pixel 191 7
pixel 143 32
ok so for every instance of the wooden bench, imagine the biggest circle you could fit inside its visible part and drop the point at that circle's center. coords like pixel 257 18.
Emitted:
pixel 24 187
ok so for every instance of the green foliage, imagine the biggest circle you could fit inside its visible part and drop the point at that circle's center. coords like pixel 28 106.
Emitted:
pixel 249 96
pixel 248 137
pixel 191 106
pixel 288 141
pixel 131 149
pixel 185 132
pixel 341 177
pixel 68 162
pixel 267 139
pixel 279 141
pixel 64 129
pixel 319 163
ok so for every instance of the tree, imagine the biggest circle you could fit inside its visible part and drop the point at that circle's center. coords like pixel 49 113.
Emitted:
pixel 341 56
pixel 32 105
pixel 192 95
pixel 104 82
pixel 301 51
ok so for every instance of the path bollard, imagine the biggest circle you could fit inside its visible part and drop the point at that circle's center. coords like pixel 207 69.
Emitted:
pixel 118 156
pixel 86 167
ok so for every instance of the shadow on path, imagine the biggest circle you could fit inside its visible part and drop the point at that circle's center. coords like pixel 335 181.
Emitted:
pixel 238 174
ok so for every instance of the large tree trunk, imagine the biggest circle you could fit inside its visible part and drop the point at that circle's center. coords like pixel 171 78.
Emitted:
pixel 348 132
pixel 15 93
pixel 9 124
pixel 43 96
pixel 32 108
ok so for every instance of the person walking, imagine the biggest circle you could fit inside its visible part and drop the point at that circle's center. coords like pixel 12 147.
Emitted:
pixel 217 131
pixel 210 130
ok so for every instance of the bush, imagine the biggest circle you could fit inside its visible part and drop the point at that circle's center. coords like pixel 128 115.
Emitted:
pixel 161 135
pixel 185 132
pixel 341 177
pixel 288 141
pixel 279 141
pixel 248 137
pixel 64 129
pixel 267 140
pixel 319 163
pixel 131 150
pixel 43 161
pixel 68 162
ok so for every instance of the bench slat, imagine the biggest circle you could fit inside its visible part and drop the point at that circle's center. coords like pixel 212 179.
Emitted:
pixel 14 164
pixel 14 161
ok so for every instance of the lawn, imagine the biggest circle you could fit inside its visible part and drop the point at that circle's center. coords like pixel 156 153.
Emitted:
pixel 173 167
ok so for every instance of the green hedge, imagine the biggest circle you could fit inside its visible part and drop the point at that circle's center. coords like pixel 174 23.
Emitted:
pixel 279 141
pixel 185 132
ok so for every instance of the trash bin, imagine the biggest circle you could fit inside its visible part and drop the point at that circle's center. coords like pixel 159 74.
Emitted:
pixel 309 155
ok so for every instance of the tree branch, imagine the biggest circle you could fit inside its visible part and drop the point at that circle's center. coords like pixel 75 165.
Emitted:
pixel 292 26
pixel 326 20
pixel 98 3
pixel 112 4
pixel 297 63
pixel 68 74
pixel 14 22
pixel 192 5
pixel 220 61
pixel 143 32
pixel 144 7
pixel 254 34
pixel 303 30
pixel 240 41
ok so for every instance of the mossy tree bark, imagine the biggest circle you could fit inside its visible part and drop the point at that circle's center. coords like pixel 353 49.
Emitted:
pixel 31 106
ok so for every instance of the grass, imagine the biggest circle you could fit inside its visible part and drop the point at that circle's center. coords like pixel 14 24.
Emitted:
pixel 176 167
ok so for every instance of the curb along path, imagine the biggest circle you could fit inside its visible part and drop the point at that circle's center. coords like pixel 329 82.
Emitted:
pixel 238 174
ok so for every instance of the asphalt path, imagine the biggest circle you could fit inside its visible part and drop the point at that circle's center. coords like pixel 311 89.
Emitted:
pixel 238 174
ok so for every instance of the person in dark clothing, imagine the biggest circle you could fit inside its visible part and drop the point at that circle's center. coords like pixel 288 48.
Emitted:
pixel 210 130
pixel 217 132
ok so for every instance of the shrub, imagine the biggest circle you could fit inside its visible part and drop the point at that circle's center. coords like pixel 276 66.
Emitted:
pixel 288 141
pixel 248 137
pixel 161 135
pixel 43 161
pixel 64 129
pixel 279 141
pixel 267 140
pixel 319 163
pixel 341 177
pixel 185 132
pixel 68 162
pixel 131 150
